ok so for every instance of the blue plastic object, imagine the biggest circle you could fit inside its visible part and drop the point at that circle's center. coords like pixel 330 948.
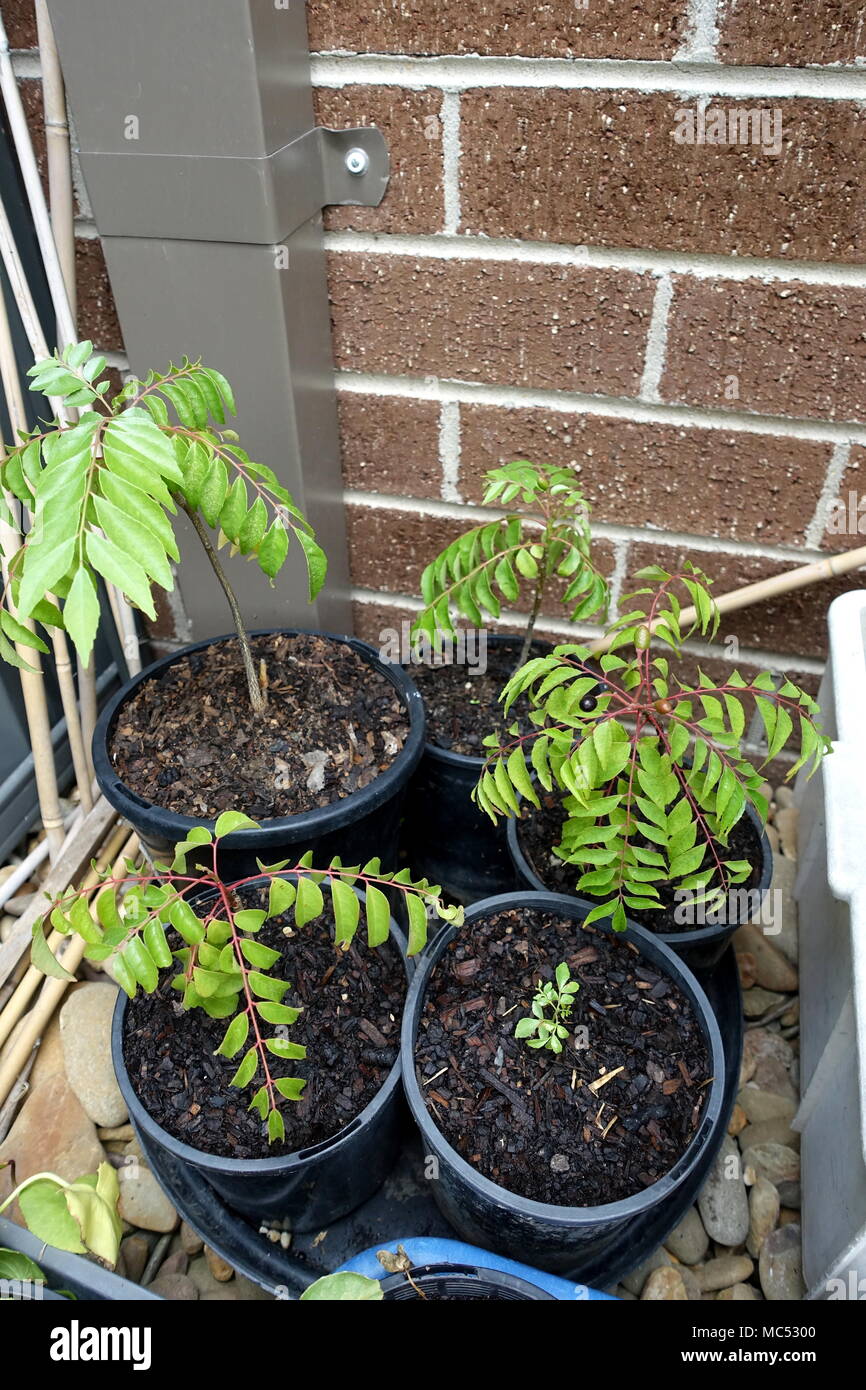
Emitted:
pixel 429 1251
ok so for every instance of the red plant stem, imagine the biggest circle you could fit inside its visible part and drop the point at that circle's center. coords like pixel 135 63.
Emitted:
pixel 699 816
pixel 639 722
pixel 250 1009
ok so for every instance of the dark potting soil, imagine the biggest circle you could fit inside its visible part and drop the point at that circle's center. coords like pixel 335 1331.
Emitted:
pixel 530 1120
pixel 539 831
pixel 188 740
pixel 462 708
pixel 352 1003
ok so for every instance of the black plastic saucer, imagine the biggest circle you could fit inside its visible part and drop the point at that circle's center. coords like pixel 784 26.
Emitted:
pixel 403 1206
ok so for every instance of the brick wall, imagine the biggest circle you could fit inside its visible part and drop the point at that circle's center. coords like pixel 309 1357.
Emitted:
pixel 554 274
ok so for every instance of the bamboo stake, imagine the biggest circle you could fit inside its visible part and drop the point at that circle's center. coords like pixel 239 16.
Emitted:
pixel 63 665
pixel 82 843
pixel 35 194
pixel 60 189
pixel 51 994
pixel 61 196
pixel 33 978
pixel 9 988
pixel 54 273
pixel 38 721
pixel 831 567
pixel 9 887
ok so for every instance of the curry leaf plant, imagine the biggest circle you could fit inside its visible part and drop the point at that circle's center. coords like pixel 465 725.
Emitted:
pixel 220 966
pixel 551 1006
pixel 101 490
pixel 490 564
pixel 652 769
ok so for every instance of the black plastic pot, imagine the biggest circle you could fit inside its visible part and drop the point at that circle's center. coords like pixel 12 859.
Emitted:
pixel 559 1239
pixel 404 1202
pixel 360 826
pixel 701 947
pixel 445 836
pixel 460 1282
pixel 71 1273
pixel 306 1190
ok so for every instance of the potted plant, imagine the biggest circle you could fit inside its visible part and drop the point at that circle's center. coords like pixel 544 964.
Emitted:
pixel 237 996
pixel 441 1268
pixel 533 553
pixel 647 802
pixel 567 1079
pixel 407 1282
pixel 64 1221
pixel 311 734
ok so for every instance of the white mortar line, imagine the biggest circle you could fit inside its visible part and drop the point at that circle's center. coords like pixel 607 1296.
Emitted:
pixel 752 656
pixel 830 491
pixel 449 450
pixel 450 117
pixel 702 34
pixel 86 229
pixel 614 407
pixel 118 360
pixel 657 341
pixel 463 72
pixel 618 575
pixel 26 62
pixel 468 512
pixel 701 265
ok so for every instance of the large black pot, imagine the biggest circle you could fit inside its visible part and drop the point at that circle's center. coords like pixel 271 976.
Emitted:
pixel 701 947
pixel 446 838
pixel 360 826
pixel 460 1282
pixel 555 1238
pixel 306 1190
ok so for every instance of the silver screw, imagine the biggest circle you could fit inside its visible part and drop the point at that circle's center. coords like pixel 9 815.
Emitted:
pixel 357 161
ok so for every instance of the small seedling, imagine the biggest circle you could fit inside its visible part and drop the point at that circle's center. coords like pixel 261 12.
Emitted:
pixel 551 1005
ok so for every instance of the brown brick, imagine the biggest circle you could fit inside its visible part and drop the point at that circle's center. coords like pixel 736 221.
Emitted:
pixel 411 125
pixel 390 445
pixel 706 482
pixel 370 620
pixel 603 168
pixel 768 34
pixel 31 99
pixel 97 316
pixel 389 548
pixel 795 623
pixel 783 348
pixel 548 29
pixel 19 18
pixel 846 528
pixel 559 327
